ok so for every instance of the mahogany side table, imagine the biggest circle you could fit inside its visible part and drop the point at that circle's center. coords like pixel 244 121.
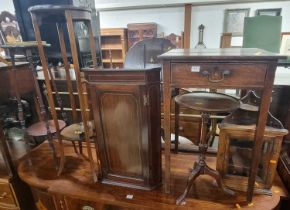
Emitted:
pixel 242 68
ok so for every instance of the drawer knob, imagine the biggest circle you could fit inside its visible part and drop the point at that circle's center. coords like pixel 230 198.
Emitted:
pixel 215 75
pixel 3 195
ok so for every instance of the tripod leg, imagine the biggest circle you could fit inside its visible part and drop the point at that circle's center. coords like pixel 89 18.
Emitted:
pixel 192 176
pixel 216 175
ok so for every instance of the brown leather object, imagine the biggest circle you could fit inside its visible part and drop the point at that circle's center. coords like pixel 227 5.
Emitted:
pixel 75 132
pixel 39 129
pixel 208 102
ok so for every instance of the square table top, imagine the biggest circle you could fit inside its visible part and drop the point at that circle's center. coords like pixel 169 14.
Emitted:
pixel 220 53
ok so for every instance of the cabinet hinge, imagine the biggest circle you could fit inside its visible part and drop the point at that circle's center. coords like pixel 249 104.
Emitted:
pixel 145 100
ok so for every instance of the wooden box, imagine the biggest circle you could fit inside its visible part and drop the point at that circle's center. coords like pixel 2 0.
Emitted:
pixel 126 109
pixel 235 152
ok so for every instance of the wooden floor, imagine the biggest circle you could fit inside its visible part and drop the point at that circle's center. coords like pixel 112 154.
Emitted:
pixel 38 170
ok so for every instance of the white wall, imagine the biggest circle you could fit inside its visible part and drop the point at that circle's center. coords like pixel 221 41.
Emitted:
pixel 171 20
pixel 7 5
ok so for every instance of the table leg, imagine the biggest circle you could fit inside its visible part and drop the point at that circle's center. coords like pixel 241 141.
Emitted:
pixel 49 90
pixel 261 123
pixel 92 44
pixel 167 106
pixel 84 114
pixel 176 121
pixel 14 86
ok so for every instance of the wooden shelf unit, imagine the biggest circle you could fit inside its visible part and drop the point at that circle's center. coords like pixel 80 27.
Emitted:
pixel 114 47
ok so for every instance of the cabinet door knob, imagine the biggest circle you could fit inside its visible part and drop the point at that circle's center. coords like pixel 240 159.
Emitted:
pixel 3 195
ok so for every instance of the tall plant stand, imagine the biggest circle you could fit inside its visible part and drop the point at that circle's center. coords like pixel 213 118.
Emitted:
pixel 60 16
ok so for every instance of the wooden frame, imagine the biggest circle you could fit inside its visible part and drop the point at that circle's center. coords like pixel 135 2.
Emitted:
pixel 187 25
pixel 285 43
pixel 226 40
pixel 234 20
pixel 269 12
pixel 231 132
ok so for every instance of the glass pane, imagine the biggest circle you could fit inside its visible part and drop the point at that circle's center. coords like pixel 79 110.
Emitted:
pixel 240 156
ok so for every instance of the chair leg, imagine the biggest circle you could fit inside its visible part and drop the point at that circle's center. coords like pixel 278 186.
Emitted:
pixel 62 162
pixel 34 140
pixel 75 148
pixel 81 147
pixel 176 124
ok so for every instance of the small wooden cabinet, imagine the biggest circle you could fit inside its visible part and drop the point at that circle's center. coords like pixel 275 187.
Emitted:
pixel 140 31
pixel 114 47
pixel 126 109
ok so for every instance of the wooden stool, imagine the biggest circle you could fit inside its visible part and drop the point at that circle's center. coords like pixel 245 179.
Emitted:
pixel 40 128
pixel 207 103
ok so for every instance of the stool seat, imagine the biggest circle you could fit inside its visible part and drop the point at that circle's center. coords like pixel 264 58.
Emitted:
pixel 208 102
pixel 39 128
pixel 75 132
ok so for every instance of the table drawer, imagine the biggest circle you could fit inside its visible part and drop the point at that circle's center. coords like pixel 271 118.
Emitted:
pixel 6 195
pixel 218 75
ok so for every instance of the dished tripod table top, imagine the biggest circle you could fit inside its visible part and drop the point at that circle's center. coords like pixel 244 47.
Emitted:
pixel 216 69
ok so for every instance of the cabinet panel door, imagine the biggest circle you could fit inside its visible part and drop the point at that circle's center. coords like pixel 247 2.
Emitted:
pixel 121 133
pixel 117 113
